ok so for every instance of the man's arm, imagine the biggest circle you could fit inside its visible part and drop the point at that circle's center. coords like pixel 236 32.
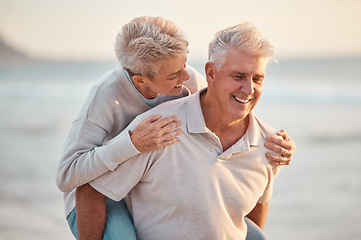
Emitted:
pixel 90 213
pixel 259 214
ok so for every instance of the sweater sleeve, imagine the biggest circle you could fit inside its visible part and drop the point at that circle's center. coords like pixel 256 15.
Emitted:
pixel 97 141
pixel 85 157
pixel 117 184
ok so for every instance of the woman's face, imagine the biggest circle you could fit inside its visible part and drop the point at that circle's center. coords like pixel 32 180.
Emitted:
pixel 168 80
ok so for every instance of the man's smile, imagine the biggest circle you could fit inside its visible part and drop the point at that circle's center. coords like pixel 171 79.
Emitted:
pixel 238 99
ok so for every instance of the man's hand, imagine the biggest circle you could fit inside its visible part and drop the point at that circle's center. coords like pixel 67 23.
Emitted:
pixel 90 213
pixel 154 133
pixel 283 145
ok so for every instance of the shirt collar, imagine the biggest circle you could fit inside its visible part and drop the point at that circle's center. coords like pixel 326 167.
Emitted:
pixel 195 122
pixel 194 116
pixel 253 131
pixel 127 89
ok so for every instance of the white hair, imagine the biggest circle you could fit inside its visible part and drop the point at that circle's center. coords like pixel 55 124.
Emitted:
pixel 145 42
pixel 245 37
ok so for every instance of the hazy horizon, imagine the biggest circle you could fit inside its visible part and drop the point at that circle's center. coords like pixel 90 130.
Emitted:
pixel 20 56
pixel 85 30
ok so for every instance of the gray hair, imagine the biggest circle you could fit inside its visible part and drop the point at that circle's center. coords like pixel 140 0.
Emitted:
pixel 143 43
pixel 245 37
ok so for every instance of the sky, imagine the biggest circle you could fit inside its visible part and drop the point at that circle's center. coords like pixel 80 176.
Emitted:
pixel 85 29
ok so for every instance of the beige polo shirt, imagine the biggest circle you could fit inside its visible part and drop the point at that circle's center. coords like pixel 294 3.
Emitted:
pixel 192 189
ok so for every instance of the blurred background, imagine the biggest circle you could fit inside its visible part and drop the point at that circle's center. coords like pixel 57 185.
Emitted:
pixel 52 52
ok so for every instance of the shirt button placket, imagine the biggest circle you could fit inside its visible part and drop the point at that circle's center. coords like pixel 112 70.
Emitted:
pixel 215 147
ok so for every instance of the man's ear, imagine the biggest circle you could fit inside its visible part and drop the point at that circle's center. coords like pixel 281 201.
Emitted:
pixel 210 71
pixel 139 80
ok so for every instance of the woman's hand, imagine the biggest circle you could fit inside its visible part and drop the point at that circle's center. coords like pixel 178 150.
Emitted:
pixel 283 145
pixel 154 133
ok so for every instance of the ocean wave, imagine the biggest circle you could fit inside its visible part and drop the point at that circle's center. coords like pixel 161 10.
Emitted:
pixel 327 137
pixel 294 96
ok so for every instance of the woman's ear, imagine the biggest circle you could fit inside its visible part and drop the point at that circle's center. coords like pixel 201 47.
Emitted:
pixel 139 80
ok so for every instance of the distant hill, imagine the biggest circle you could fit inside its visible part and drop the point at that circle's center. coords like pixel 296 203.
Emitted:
pixel 9 54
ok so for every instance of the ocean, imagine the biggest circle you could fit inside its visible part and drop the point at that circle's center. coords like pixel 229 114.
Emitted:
pixel 317 101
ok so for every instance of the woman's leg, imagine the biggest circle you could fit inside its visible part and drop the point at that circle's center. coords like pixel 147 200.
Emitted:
pixel 72 223
pixel 253 231
pixel 119 223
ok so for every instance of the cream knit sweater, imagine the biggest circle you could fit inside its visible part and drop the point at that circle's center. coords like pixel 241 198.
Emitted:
pixel 96 142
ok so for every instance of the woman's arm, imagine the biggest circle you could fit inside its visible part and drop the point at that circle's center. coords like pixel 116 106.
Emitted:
pixel 85 157
pixel 79 162
pixel 284 146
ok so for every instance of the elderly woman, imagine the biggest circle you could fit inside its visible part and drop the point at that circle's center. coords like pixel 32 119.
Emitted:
pixel 152 52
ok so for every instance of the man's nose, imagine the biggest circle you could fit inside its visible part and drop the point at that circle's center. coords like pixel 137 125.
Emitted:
pixel 248 87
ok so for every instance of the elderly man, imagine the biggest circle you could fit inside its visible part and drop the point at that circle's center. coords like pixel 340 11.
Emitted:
pixel 204 185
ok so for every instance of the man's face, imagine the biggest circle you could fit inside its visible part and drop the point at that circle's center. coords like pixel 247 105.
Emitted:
pixel 237 86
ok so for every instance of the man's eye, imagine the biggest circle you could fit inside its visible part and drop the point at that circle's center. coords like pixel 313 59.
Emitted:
pixel 258 80
pixel 237 77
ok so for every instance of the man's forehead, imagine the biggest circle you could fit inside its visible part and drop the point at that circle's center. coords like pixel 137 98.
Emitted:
pixel 234 53
pixel 245 68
